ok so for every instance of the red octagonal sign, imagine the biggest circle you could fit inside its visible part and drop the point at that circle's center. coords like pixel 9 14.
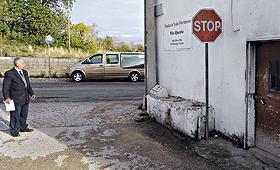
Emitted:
pixel 207 25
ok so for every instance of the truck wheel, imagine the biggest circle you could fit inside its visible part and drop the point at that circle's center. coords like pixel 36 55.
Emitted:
pixel 134 76
pixel 78 76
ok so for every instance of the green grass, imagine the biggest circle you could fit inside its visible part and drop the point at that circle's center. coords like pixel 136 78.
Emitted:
pixel 40 52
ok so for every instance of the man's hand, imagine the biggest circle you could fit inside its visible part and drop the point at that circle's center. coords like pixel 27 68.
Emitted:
pixel 8 100
pixel 33 97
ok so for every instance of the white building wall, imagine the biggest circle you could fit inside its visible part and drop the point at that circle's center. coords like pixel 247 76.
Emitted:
pixel 182 72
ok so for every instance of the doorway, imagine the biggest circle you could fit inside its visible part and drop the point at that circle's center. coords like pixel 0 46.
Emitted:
pixel 267 96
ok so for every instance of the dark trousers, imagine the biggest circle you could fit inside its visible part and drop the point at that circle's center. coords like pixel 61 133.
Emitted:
pixel 18 119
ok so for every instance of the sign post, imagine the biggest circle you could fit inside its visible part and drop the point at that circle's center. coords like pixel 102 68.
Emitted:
pixel 207 27
pixel 206 90
pixel 49 40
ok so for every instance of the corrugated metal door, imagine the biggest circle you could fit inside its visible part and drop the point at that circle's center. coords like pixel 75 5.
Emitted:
pixel 267 97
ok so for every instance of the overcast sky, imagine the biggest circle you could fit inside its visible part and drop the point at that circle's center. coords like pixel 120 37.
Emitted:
pixel 123 19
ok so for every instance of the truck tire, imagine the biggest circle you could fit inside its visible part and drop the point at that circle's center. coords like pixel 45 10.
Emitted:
pixel 78 76
pixel 134 76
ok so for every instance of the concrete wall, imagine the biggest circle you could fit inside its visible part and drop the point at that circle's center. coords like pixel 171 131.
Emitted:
pixel 150 53
pixel 35 66
pixel 182 72
pixel 185 116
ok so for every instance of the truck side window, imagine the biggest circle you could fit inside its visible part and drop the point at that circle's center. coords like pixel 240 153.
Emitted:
pixel 96 59
pixel 132 61
pixel 112 59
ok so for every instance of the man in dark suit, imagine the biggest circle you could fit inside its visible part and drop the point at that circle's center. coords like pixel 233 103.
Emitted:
pixel 16 87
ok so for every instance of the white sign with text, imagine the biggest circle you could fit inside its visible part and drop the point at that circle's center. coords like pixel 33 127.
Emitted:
pixel 177 34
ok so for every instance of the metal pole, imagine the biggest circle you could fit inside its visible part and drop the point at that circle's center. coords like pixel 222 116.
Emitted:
pixel 50 60
pixel 145 52
pixel 206 89
pixel 69 25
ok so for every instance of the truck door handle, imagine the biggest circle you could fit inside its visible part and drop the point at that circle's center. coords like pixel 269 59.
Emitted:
pixel 262 101
pixel 100 65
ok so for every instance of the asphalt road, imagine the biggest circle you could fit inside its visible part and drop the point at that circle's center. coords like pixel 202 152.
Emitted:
pixel 88 91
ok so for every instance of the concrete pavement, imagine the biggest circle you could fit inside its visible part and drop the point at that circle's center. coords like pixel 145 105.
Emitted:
pixel 225 154
pixel 113 135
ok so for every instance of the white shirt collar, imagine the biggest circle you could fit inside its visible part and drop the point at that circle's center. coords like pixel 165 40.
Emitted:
pixel 18 70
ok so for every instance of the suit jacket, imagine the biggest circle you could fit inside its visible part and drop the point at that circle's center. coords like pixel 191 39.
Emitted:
pixel 14 87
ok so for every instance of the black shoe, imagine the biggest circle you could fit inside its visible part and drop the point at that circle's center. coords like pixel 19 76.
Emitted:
pixel 27 130
pixel 15 135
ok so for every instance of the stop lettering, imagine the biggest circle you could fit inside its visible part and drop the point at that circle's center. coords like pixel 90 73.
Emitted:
pixel 207 25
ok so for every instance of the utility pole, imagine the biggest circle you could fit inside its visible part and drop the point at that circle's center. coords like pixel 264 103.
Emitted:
pixel 69 25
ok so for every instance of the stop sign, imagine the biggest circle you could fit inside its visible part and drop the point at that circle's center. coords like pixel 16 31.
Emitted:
pixel 207 25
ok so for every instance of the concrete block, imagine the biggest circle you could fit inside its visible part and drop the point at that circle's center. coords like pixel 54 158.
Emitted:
pixel 159 91
pixel 184 116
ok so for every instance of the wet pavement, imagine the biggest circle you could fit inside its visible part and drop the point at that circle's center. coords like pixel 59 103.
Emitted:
pixel 114 135
pixel 108 135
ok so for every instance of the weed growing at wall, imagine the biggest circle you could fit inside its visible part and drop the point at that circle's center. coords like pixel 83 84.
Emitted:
pixel 40 52
pixel 43 75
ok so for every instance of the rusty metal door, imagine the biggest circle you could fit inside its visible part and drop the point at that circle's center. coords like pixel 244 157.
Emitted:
pixel 267 97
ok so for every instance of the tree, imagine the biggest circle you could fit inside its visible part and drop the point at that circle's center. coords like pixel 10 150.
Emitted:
pixel 84 37
pixel 81 31
pixel 94 31
pixel 56 4
pixel 132 46
pixel 122 47
pixel 30 21
pixel 140 48
pixel 4 16
pixel 100 44
pixel 109 44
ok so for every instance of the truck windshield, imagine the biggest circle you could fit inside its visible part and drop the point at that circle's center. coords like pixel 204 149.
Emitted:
pixel 132 60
